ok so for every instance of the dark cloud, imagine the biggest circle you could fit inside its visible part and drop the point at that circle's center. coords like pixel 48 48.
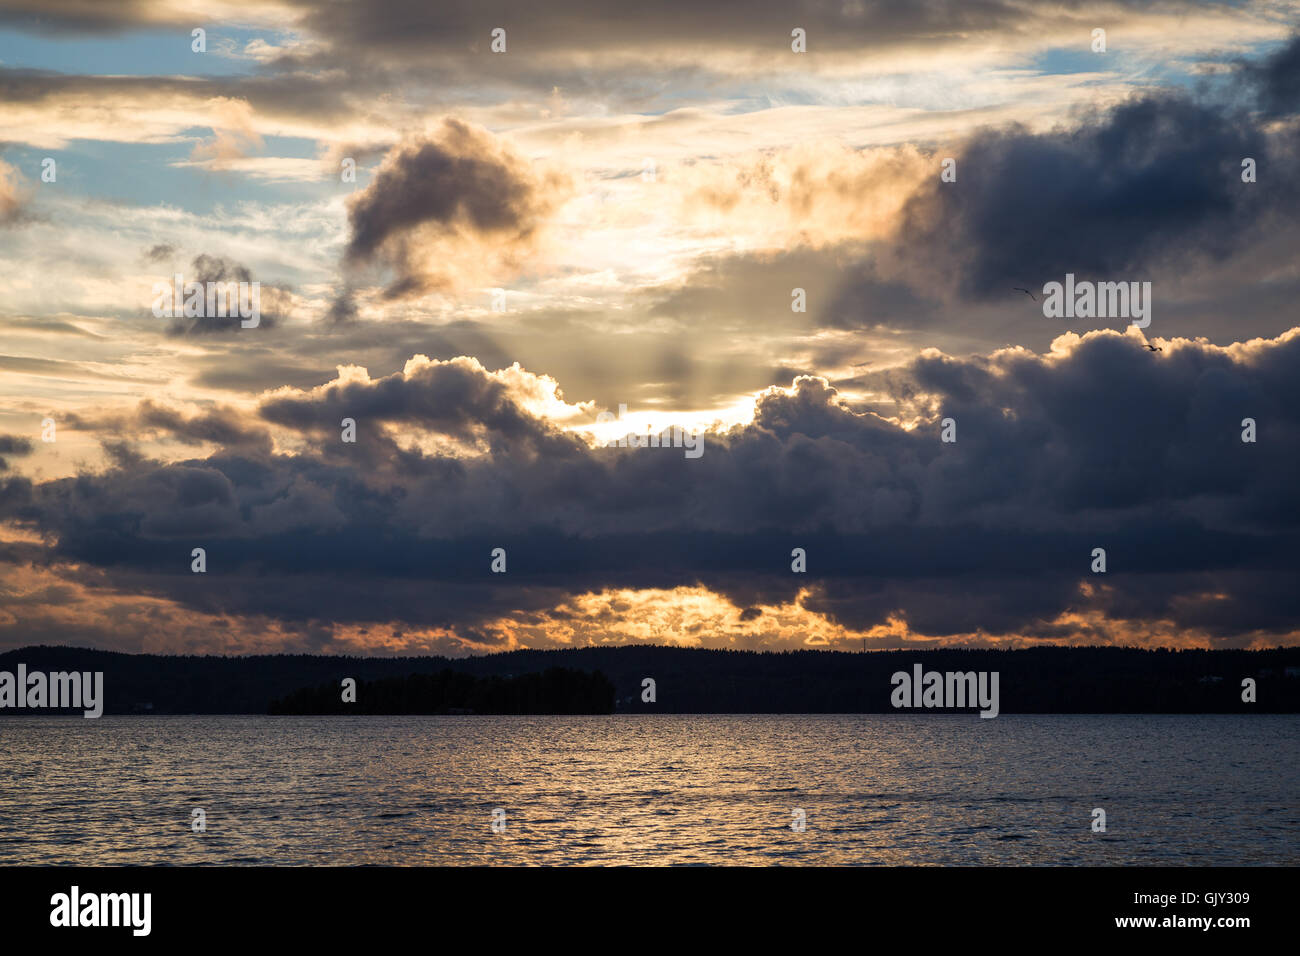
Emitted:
pixel 222 426
pixel 1155 181
pixel 343 308
pixel 75 16
pixel 328 97
pixel 13 445
pixel 1276 80
pixel 459 25
pixel 459 189
pixel 456 398
pixel 162 252
pixel 1100 445
pixel 407 29
pixel 270 301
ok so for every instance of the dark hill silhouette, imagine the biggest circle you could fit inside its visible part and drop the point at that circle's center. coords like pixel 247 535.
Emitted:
pixel 1034 680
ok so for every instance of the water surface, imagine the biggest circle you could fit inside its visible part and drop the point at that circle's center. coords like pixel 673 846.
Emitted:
pixel 634 789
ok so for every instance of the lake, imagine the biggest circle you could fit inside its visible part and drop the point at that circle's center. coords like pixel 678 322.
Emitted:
pixel 633 789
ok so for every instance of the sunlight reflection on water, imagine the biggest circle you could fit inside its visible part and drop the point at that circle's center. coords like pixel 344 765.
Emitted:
pixel 876 789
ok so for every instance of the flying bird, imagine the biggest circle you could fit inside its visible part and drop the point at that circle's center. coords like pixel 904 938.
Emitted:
pixel 1155 348
pixel 1025 291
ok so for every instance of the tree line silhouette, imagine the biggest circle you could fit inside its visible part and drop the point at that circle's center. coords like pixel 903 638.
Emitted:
pixel 557 690
pixel 1040 680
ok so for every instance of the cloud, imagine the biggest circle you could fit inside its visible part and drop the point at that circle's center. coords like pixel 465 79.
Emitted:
pixel 817 194
pixel 220 426
pixel 1155 181
pixel 11 202
pixel 62 368
pixel 673 294
pixel 1276 80
pixel 456 398
pixel 13 445
pixel 206 269
pixel 441 207
pixel 1097 443
pixel 233 135
pixel 555 44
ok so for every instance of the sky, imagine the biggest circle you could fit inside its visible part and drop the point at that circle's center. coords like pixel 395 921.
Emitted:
pixel 817 235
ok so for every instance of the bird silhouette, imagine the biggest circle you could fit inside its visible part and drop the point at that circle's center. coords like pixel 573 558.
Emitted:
pixel 1155 348
pixel 1025 291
